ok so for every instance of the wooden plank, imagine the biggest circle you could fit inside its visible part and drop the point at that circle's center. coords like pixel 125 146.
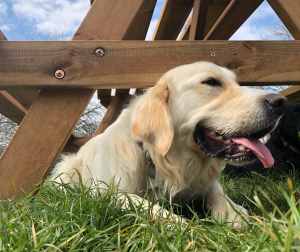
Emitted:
pixel 137 30
pixel 235 14
pixel 173 17
pixel 289 12
pixel 2 36
pixel 113 111
pixel 200 8
pixel 51 118
pixel 25 96
pixel 185 30
pixel 24 99
pixel 213 12
pixel 215 9
pixel 265 62
pixel 10 107
pixel 139 12
pixel 114 106
pixel 292 93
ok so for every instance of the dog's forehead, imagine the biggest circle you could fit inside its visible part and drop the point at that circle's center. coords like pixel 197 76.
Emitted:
pixel 184 72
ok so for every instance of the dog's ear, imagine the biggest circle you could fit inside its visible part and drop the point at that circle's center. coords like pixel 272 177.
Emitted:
pixel 152 122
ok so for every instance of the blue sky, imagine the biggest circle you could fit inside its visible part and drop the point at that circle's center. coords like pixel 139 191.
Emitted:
pixel 59 19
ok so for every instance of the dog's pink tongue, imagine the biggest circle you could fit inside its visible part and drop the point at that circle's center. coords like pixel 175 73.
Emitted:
pixel 259 149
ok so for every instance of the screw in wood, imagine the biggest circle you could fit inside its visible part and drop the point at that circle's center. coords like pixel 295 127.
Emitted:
pixel 59 74
pixel 100 52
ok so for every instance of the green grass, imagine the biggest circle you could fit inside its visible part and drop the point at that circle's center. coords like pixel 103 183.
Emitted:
pixel 73 219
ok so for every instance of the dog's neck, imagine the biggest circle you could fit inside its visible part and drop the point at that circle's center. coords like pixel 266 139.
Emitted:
pixel 181 169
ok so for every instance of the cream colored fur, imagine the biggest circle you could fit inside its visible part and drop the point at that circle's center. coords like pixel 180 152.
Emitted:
pixel 163 121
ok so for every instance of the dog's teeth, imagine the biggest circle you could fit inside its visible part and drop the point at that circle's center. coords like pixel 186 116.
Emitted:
pixel 227 142
pixel 265 139
pixel 241 148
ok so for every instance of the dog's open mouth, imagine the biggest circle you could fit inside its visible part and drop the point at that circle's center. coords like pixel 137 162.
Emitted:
pixel 238 149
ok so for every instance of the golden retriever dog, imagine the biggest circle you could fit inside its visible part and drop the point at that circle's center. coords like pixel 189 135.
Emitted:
pixel 189 125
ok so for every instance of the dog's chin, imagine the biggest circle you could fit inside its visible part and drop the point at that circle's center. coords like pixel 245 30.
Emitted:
pixel 237 149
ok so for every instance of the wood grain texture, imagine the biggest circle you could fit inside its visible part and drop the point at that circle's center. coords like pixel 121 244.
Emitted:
pixel 24 95
pixel 289 12
pixel 173 17
pixel 113 111
pixel 200 8
pixel 34 145
pixel 137 30
pixel 11 108
pixel 16 110
pixel 2 36
pixel 292 93
pixel 51 118
pixel 185 30
pixel 8 108
pixel 232 18
pixel 213 12
pixel 139 64
pixel 129 18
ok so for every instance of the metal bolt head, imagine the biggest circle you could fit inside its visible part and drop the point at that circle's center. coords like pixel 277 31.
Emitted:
pixel 100 52
pixel 59 74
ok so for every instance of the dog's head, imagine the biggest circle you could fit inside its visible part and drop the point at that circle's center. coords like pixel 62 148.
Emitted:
pixel 203 103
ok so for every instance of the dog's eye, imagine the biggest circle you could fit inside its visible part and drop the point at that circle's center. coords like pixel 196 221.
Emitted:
pixel 212 82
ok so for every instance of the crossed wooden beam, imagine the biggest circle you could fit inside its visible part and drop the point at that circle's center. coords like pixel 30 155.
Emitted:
pixel 35 74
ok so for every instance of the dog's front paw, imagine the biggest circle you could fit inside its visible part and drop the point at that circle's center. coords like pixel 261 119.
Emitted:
pixel 233 214
pixel 237 217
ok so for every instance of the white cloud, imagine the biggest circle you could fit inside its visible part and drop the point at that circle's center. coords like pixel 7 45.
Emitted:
pixel 3 7
pixel 246 32
pixel 52 17
pixel 5 28
pixel 252 31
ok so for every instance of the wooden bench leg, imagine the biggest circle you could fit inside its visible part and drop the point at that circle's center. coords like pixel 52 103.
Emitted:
pixel 40 137
pixel 113 111
pixel 289 12
pixel 49 122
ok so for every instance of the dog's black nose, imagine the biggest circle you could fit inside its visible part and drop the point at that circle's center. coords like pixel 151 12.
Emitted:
pixel 275 103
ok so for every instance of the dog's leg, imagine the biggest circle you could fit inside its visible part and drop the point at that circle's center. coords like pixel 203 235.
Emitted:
pixel 129 201
pixel 224 209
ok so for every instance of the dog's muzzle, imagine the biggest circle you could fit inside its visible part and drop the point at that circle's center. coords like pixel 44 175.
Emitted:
pixel 236 149
pixel 240 148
